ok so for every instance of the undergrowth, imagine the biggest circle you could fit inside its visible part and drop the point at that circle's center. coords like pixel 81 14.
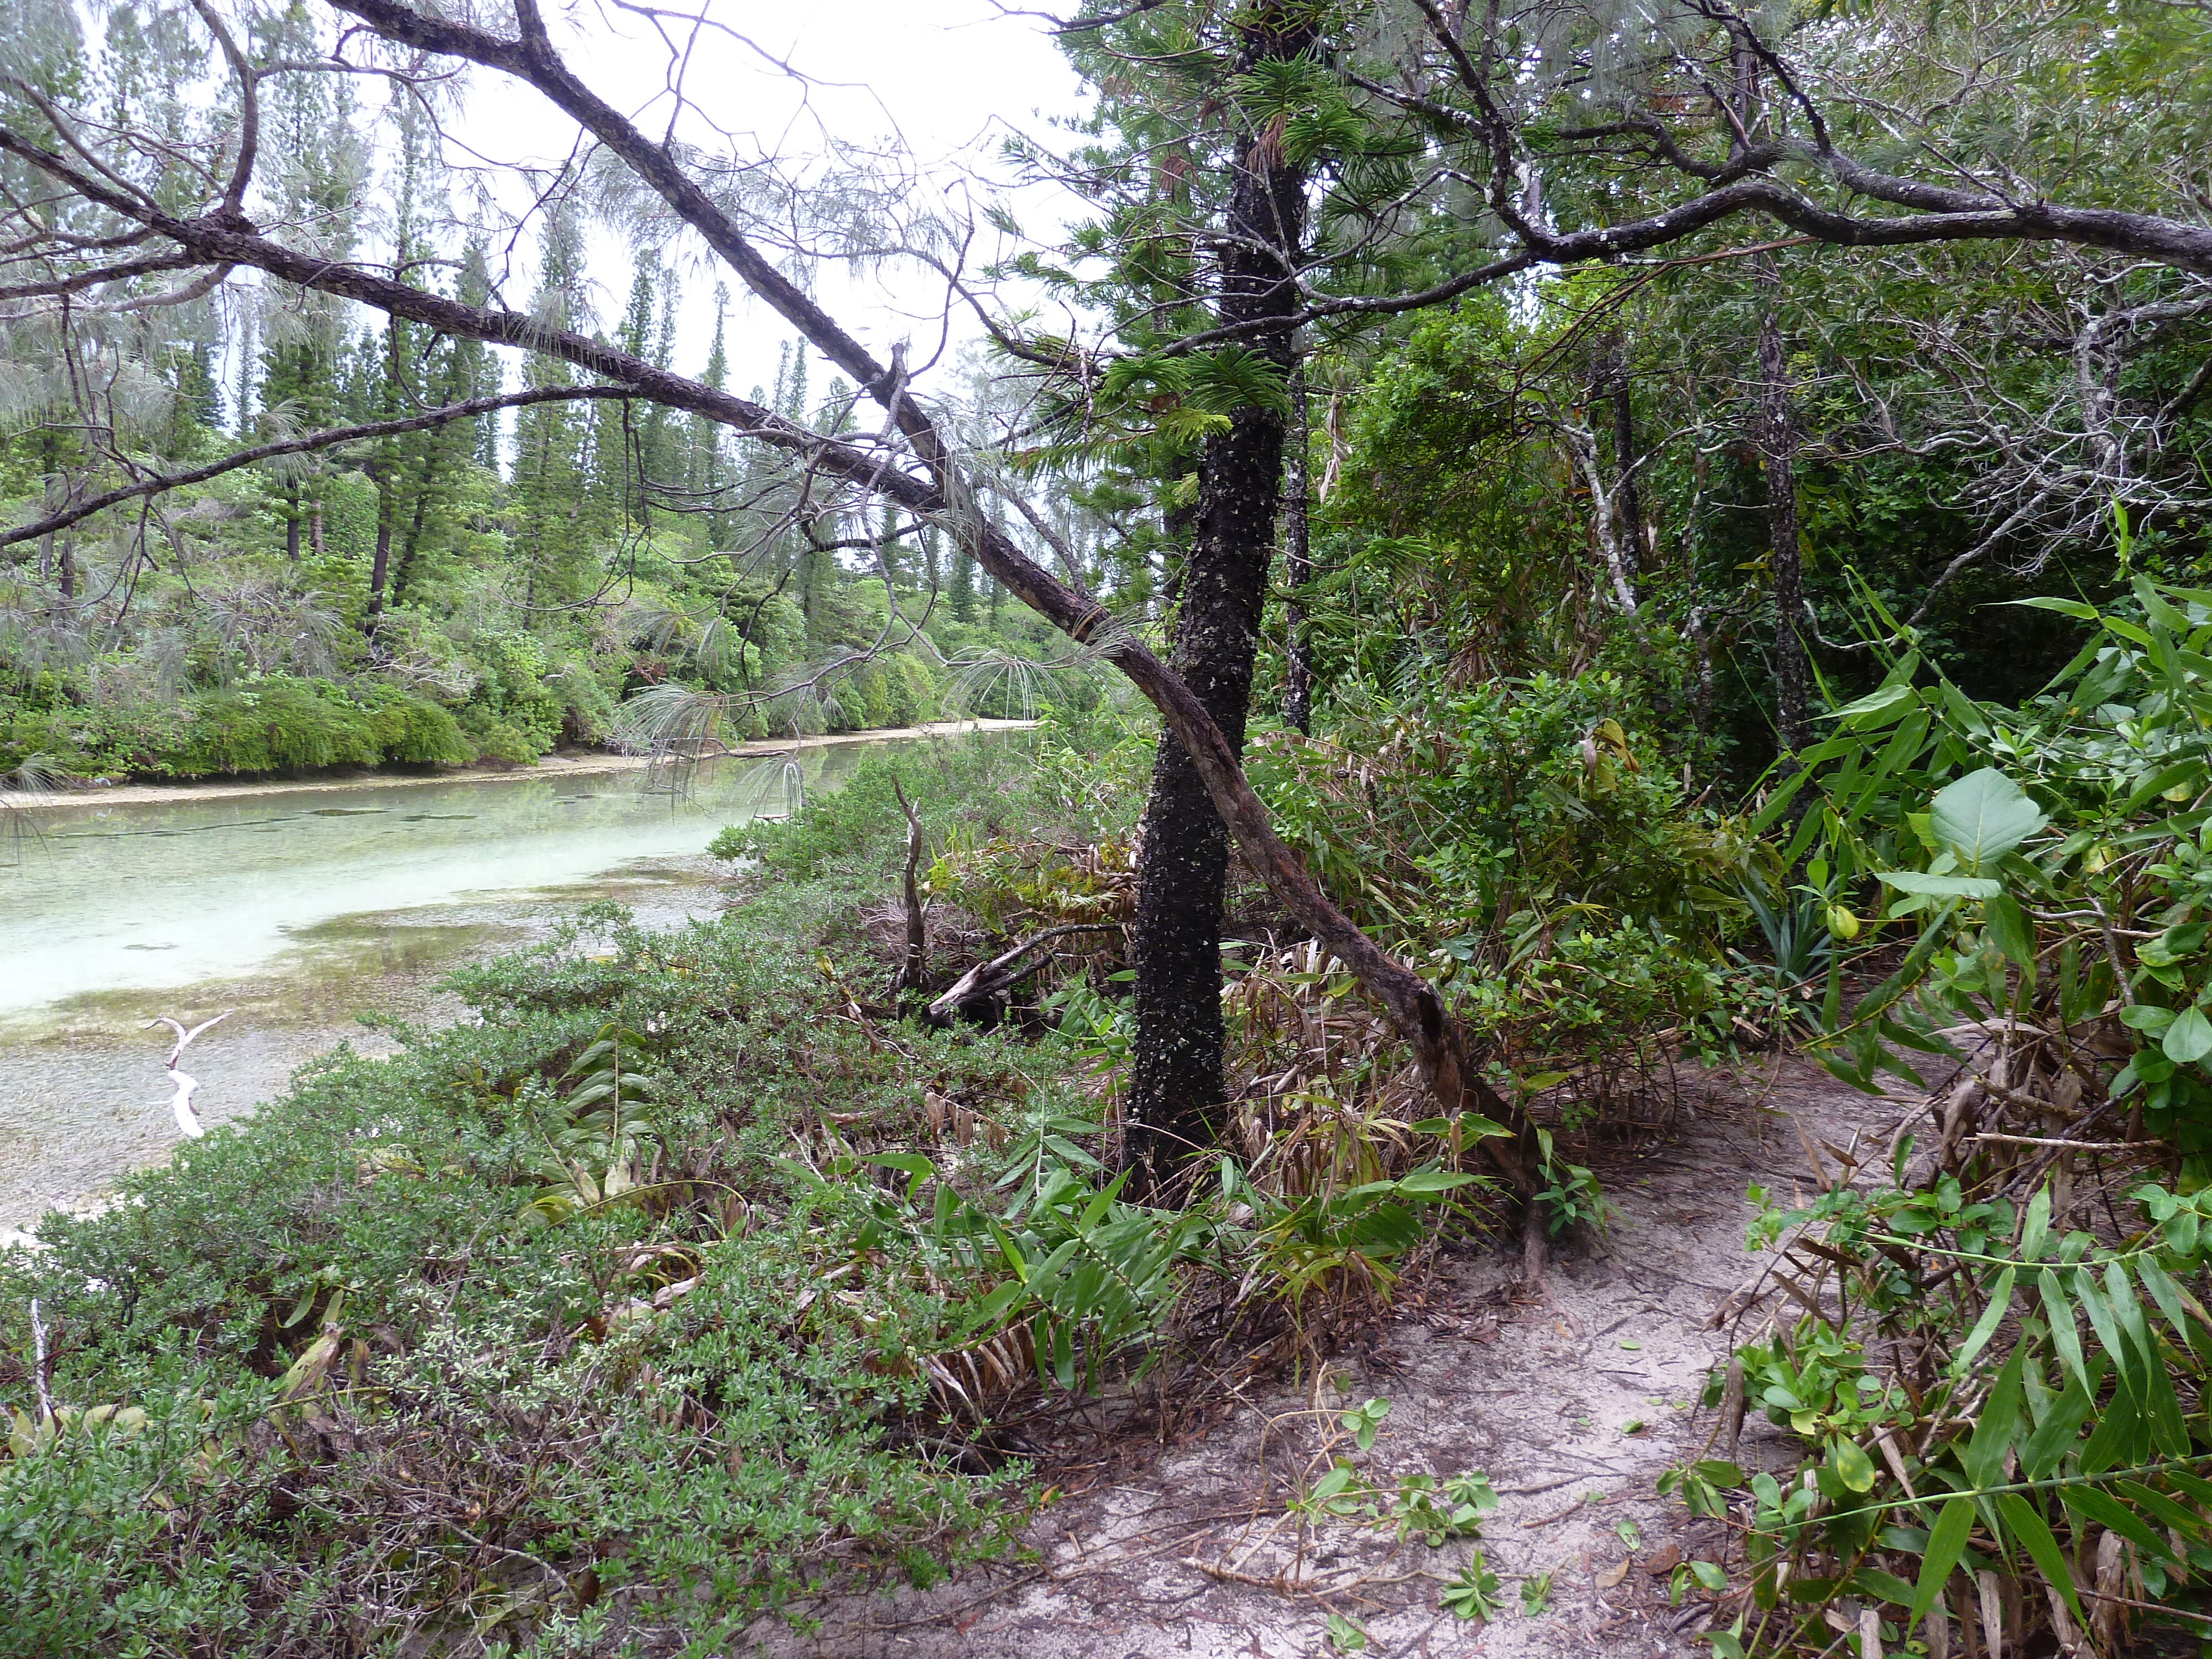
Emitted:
pixel 684 1279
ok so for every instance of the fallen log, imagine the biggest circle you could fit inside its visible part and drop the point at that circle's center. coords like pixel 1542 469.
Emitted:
pixel 989 979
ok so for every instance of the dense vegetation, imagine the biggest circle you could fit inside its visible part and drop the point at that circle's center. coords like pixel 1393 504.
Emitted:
pixel 483 589
pixel 1687 635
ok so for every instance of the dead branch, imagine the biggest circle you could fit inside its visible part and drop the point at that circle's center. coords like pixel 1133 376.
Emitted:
pixel 989 979
pixel 187 1120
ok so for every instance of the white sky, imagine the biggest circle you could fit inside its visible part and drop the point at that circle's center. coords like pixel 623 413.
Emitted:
pixel 950 77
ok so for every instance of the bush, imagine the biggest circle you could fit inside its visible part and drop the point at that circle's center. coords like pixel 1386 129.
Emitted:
pixel 1527 841
pixel 269 723
pixel 983 781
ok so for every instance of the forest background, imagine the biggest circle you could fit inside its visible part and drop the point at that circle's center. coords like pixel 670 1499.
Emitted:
pixel 1671 530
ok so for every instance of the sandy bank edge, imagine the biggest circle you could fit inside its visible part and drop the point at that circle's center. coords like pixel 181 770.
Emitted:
pixel 559 766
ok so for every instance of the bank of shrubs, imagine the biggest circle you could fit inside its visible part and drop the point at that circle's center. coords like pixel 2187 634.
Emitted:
pixel 579 1323
pixel 1531 843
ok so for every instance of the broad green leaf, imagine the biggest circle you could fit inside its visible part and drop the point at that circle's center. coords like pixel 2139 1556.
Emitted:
pixel 2031 1529
pixel 1888 699
pixel 2058 1433
pixel 1883 1586
pixel 1947 1542
pixel 2101 1321
pixel 2168 1432
pixel 2036 1227
pixel 2162 1509
pixel 2188 1039
pixel 2118 1434
pixel 1983 816
pixel 2173 1301
pixel 2073 608
pixel 1922 884
pixel 2010 930
pixel 2107 1511
pixel 1852 1465
pixel 2002 1420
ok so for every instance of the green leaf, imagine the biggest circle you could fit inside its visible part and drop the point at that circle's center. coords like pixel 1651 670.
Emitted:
pixel 2010 930
pixel 2108 1512
pixel 1922 884
pixel 1947 1542
pixel 1986 1326
pixel 1983 816
pixel 1344 1635
pixel 2049 1560
pixel 1884 1586
pixel 1852 1465
pixel 2169 1296
pixel 2073 608
pixel 2036 1227
pixel 2056 1435
pixel 1999 1426
pixel 1891 699
pixel 2188 1039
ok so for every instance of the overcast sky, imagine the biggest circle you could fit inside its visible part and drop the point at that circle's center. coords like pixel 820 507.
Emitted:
pixel 950 78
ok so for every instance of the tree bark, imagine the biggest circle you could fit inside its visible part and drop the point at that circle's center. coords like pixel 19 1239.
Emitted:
pixel 1777 443
pixel 1176 1090
pixel 384 494
pixel 914 969
pixel 1297 563
pixel 414 541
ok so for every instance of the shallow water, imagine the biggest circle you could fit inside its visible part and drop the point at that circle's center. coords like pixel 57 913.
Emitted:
pixel 302 912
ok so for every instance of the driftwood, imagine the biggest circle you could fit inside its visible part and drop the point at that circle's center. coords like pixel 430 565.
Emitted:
pixel 917 932
pixel 187 1120
pixel 988 979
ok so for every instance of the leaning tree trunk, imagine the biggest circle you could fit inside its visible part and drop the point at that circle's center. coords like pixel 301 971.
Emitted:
pixel 1176 1091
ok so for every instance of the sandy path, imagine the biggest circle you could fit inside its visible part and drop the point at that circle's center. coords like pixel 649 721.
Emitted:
pixel 578 765
pixel 1572 1410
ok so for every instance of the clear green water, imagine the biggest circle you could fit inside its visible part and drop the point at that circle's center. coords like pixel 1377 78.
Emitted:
pixel 303 911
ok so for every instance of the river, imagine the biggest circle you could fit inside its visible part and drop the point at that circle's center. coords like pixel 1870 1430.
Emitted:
pixel 302 909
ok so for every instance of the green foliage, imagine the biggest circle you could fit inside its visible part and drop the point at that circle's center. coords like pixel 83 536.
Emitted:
pixel 263 723
pixel 640 1393
pixel 1535 850
pixel 1475 1594
pixel 2020 856
pixel 981 787
pixel 2075 1430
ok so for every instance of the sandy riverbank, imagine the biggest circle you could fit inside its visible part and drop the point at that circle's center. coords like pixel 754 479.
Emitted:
pixel 575 764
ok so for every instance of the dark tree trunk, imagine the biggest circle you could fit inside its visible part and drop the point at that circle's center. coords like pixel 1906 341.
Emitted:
pixel 381 562
pixel 1176 1094
pixel 1297 563
pixel 292 522
pixel 1777 443
pixel 414 542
